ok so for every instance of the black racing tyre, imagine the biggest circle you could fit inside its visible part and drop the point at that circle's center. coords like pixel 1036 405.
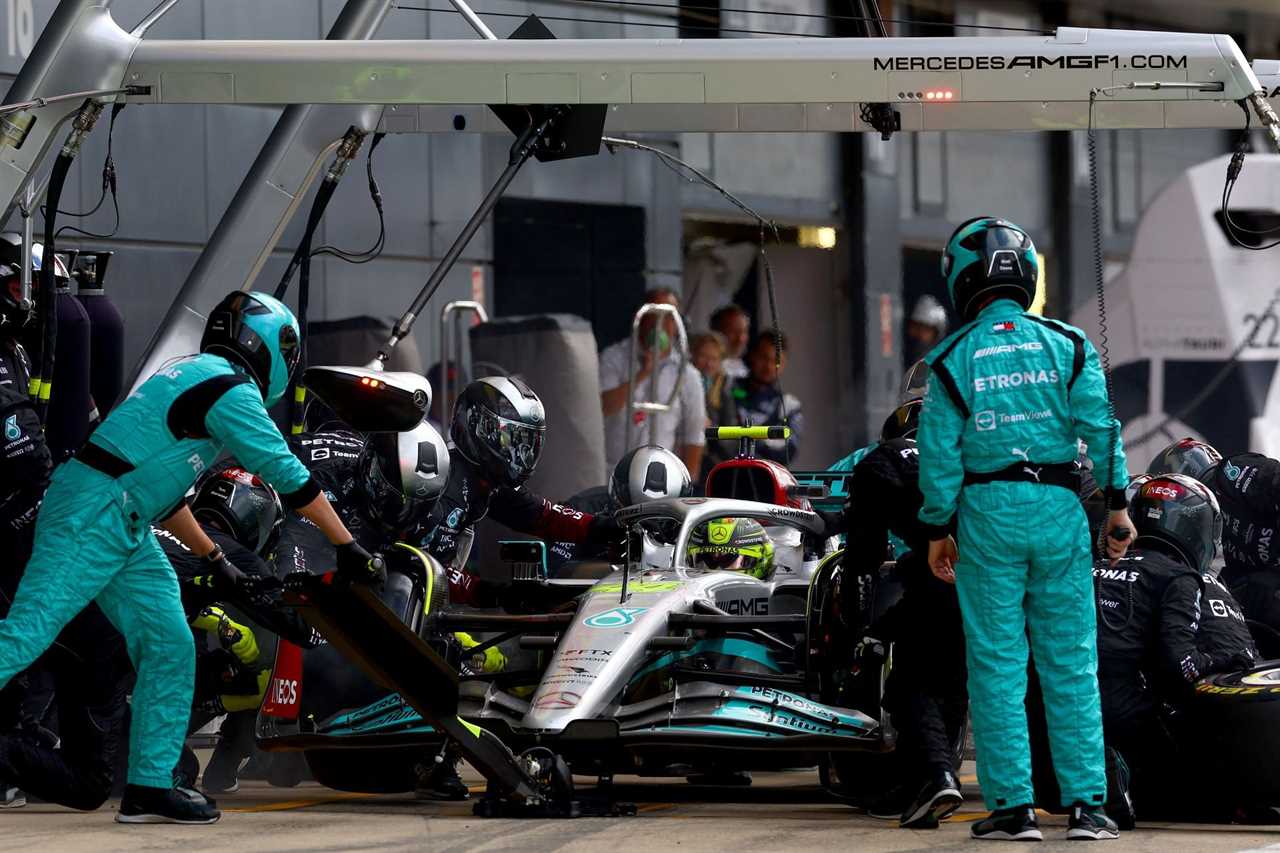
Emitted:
pixel 1235 716
pixel 392 770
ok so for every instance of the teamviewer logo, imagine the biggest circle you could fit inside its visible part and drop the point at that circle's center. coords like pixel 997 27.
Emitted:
pixel 985 421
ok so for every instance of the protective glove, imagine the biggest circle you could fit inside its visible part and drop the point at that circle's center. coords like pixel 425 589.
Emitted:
pixel 222 576
pixel 357 565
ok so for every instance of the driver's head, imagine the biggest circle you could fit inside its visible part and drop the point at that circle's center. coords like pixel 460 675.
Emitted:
pixel 732 545
pixel 1181 514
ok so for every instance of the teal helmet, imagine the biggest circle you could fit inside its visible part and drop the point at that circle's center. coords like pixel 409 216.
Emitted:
pixel 988 258
pixel 258 333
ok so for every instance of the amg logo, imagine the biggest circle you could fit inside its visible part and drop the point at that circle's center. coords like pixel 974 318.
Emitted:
pixel 1011 63
pixel 747 607
pixel 1029 346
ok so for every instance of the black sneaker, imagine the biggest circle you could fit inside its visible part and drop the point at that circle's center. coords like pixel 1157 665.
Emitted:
pixel 891 804
pixel 11 797
pixel 1015 824
pixel 143 804
pixel 441 782
pixel 939 797
pixel 1090 823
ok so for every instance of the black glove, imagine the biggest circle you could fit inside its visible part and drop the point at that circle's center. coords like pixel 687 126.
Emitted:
pixel 226 580
pixel 355 564
pixel 604 528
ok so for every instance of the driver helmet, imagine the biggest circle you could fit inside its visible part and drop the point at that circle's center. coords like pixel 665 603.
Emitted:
pixel 1188 456
pixel 648 473
pixel 499 425
pixel 903 422
pixel 258 333
pixel 1180 512
pixel 988 258
pixel 242 506
pixel 732 545
pixel 11 311
pixel 401 475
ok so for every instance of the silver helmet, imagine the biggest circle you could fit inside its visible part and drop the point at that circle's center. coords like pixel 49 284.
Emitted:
pixel 402 475
pixel 647 473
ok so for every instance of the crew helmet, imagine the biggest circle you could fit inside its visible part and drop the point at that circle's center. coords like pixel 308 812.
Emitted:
pixel 258 333
pixel 242 506
pixel 1182 513
pixel 928 311
pixel 647 473
pixel 11 310
pixel 402 475
pixel 733 545
pixel 903 422
pixel 988 258
pixel 1187 456
pixel 499 425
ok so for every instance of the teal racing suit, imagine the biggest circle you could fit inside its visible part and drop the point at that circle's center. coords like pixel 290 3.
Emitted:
pixel 1010 395
pixel 93 539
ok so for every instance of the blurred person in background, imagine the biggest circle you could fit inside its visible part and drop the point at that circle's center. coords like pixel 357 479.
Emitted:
pixel 734 323
pixel 622 380
pixel 758 397
pixel 708 350
pixel 926 326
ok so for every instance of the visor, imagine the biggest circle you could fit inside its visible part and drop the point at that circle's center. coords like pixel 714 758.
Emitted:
pixel 518 444
pixel 289 349
pixel 726 558
pixel 386 501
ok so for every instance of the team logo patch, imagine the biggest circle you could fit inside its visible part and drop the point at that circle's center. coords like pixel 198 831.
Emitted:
pixel 615 618
pixel 1003 326
pixel 11 429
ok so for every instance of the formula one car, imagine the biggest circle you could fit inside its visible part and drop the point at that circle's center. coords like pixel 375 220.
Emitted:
pixel 649 671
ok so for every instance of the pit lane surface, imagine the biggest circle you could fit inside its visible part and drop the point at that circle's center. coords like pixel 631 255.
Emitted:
pixel 781 811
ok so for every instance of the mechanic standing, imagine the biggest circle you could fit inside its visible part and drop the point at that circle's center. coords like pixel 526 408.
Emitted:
pixel 93 536
pixel 1010 397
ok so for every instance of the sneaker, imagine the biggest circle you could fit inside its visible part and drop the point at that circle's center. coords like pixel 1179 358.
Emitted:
pixel 1090 823
pixel 891 804
pixel 143 804
pixel 440 782
pixel 1015 824
pixel 222 774
pixel 937 799
pixel 11 797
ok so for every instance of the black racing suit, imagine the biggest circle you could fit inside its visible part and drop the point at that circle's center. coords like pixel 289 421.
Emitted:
pixel 1152 647
pixel 469 497
pixel 1248 490
pixel 925 694
pixel 595 500
pixel 25 467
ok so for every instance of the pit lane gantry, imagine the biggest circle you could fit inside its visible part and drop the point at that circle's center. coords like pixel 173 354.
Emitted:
pixel 1149 79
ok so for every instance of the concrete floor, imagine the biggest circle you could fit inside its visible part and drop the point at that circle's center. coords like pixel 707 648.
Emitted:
pixel 781 811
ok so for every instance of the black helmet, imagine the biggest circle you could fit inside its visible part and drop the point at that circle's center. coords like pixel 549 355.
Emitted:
pixel 242 506
pixel 733 545
pixel 988 258
pixel 402 475
pixel 498 424
pixel 915 383
pixel 11 311
pixel 903 422
pixel 1188 456
pixel 648 473
pixel 1180 512
pixel 259 333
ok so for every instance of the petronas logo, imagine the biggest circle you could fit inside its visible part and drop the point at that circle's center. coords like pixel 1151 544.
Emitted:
pixel 11 429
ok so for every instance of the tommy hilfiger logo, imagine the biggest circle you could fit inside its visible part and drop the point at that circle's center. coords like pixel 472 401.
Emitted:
pixel 1003 326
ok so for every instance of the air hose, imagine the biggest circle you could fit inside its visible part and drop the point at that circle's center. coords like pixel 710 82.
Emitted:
pixel 301 263
pixel 42 384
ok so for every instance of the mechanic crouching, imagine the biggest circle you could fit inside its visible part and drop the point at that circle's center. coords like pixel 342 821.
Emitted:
pixel 1155 640
pixel 1247 486
pixel 925 694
